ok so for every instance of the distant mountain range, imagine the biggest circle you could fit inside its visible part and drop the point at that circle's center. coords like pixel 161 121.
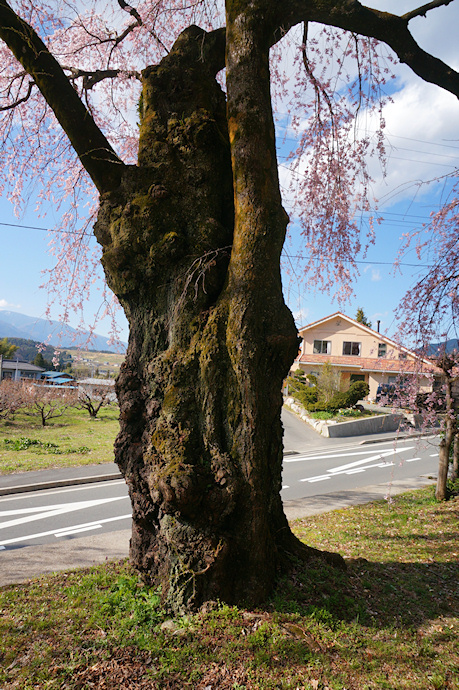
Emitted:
pixel 15 325
pixel 435 348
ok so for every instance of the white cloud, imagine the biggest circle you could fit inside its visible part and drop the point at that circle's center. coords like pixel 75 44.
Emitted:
pixel 301 316
pixel 421 141
pixel 375 273
pixel 6 305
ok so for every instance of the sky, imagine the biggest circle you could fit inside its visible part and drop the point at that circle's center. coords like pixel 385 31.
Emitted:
pixel 423 143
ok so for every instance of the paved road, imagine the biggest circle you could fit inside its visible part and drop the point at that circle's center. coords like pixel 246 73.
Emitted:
pixel 69 526
pixel 351 467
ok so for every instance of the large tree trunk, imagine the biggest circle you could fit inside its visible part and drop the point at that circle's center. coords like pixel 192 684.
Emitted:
pixel 211 341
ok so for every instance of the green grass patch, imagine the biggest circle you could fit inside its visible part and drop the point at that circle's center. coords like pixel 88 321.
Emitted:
pixel 67 441
pixel 391 620
pixel 343 415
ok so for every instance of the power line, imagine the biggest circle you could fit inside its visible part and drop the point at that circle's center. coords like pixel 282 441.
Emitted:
pixel 290 256
pixel 34 227
pixel 399 218
pixel 387 135
pixel 368 263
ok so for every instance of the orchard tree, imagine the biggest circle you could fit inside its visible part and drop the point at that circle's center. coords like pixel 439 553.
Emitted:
pixel 47 402
pixel 11 398
pixel 191 227
pixel 93 398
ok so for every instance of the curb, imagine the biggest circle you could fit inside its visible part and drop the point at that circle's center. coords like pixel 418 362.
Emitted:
pixel 403 435
pixel 39 486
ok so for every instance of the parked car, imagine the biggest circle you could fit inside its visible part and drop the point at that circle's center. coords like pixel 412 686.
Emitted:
pixel 385 393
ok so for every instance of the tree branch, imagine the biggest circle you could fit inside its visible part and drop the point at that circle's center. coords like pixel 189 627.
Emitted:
pixel 25 98
pixel 392 29
pixel 90 144
pixel 132 11
pixel 422 11
pixel 91 78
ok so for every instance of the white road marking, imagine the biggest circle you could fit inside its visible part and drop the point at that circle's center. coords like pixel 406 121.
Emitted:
pixel 56 492
pixel 58 532
pixel 77 531
pixel 359 465
pixel 412 459
pixel 53 511
pixel 379 456
pixel 299 458
pixel 37 509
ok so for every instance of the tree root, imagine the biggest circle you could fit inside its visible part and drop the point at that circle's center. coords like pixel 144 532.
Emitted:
pixel 294 549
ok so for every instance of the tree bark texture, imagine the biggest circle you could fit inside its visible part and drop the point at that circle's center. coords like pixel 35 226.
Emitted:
pixel 211 339
pixel 446 442
pixel 455 467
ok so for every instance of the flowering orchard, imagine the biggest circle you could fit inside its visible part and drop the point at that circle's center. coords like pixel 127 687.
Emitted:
pixel 165 110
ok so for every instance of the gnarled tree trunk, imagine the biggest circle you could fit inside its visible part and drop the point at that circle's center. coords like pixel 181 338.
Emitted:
pixel 211 339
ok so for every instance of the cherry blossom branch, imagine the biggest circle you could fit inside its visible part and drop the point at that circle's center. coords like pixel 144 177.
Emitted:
pixel 318 88
pixel 389 28
pixel 25 98
pixel 422 11
pixel 91 78
pixel 90 144
pixel 132 11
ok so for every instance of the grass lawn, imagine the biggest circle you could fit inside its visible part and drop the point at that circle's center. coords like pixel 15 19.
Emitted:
pixel 67 441
pixel 344 415
pixel 390 621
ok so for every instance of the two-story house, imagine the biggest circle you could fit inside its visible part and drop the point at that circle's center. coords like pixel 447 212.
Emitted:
pixel 360 354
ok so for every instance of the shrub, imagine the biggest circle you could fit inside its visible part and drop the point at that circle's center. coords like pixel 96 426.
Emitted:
pixel 357 391
pixel 340 400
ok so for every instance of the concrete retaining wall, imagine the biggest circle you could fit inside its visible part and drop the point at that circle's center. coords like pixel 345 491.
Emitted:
pixel 354 427
pixel 366 425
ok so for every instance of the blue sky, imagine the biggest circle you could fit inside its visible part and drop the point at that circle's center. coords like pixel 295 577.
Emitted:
pixel 423 139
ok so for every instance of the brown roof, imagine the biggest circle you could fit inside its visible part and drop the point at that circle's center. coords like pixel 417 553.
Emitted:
pixel 371 364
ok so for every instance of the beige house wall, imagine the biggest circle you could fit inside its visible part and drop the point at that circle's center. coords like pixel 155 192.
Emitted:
pixel 373 378
pixel 337 331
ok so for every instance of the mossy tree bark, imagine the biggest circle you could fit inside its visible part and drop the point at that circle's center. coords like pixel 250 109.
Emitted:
pixel 193 253
pixel 448 363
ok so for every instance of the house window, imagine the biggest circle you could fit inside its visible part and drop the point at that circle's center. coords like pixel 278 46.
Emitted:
pixel 402 355
pixel 322 347
pixel 350 348
pixel 382 349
